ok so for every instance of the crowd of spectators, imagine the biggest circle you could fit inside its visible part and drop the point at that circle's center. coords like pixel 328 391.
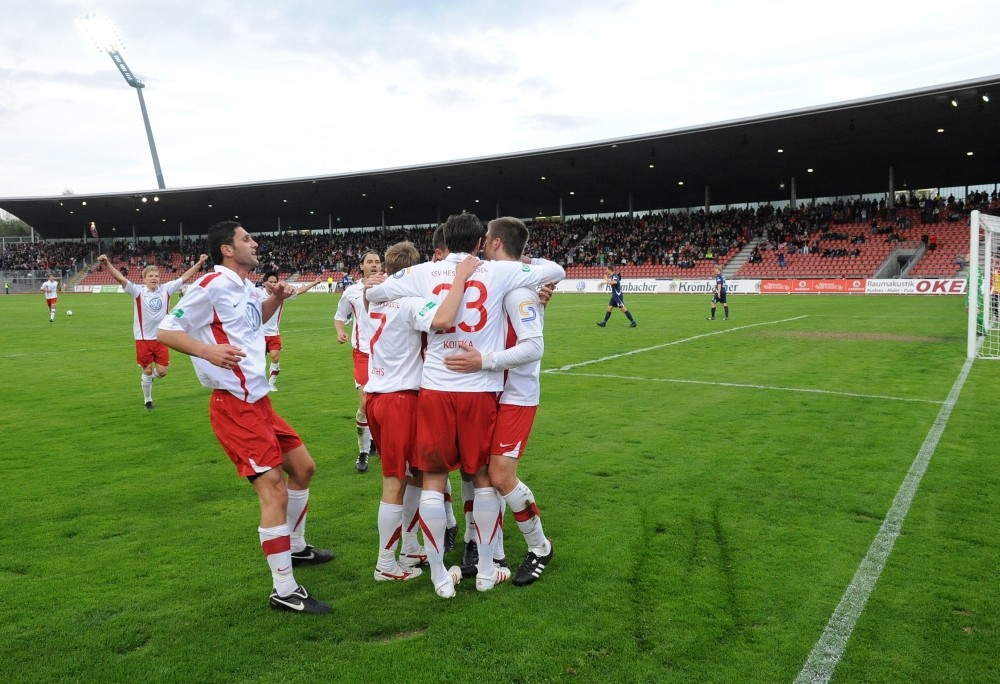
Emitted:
pixel 658 238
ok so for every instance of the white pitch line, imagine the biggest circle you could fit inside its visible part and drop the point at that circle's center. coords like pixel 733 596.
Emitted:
pixel 739 385
pixel 828 651
pixel 670 344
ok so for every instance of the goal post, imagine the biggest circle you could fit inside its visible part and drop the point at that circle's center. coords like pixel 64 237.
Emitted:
pixel 983 290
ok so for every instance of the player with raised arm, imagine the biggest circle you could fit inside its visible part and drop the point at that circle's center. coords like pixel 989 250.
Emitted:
pixel 51 289
pixel 614 282
pixel 456 411
pixel 272 335
pixel 394 375
pixel 219 323
pixel 505 240
pixel 348 307
pixel 152 301
pixel 719 294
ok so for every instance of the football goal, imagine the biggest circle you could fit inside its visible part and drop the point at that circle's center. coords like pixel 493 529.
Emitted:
pixel 984 287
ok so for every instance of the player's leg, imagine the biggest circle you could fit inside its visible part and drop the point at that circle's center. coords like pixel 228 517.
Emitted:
pixel 390 416
pixel 725 307
pixel 451 532
pixel 435 456
pixel 510 439
pixel 245 433
pixel 364 434
pixel 607 314
pixel 144 357
pixel 300 467
pixel 272 376
pixel 628 315
pixel 411 553
pixel 712 317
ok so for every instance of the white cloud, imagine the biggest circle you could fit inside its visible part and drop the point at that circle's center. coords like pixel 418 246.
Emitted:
pixel 253 90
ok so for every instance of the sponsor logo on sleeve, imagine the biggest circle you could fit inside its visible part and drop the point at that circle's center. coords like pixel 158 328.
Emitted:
pixel 177 313
pixel 428 307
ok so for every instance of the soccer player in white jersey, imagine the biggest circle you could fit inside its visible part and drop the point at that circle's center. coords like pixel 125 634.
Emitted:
pixel 505 240
pixel 350 306
pixel 51 289
pixel 272 335
pixel 394 373
pixel 219 323
pixel 456 411
pixel 151 302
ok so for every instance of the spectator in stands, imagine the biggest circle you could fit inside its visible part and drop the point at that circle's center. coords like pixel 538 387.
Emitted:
pixel 932 242
pixel 960 261
pixel 781 259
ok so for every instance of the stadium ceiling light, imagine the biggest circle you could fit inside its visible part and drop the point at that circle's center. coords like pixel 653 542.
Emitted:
pixel 969 154
pixel 780 150
pixel 652 166
pixel 940 130
pixel 680 182
pixel 986 97
pixel 809 170
pixel 954 101
pixel 156 198
pixel 100 30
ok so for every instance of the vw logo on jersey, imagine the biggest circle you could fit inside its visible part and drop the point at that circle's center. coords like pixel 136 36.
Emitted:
pixel 253 316
pixel 154 304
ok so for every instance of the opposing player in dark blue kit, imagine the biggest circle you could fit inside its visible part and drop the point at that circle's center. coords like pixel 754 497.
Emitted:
pixel 719 294
pixel 614 281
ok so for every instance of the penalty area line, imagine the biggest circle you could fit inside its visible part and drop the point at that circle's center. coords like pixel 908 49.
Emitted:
pixel 671 344
pixel 741 385
pixel 830 647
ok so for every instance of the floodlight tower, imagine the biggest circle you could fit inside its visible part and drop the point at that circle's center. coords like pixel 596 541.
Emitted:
pixel 104 35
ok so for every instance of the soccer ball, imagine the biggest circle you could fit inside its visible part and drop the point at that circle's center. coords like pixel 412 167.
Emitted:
pixel 69 312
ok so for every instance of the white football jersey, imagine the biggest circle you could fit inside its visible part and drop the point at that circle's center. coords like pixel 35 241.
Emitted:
pixel 481 321
pixel 222 308
pixel 351 305
pixel 395 360
pixel 524 321
pixel 150 306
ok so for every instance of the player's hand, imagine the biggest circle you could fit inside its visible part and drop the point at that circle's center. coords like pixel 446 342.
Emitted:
pixel 280 289
pixel 342 337
pixel 466 267
pixel 225 356
pixel 468 361
pixel 375 279
pixel 545 293
pixel 103 258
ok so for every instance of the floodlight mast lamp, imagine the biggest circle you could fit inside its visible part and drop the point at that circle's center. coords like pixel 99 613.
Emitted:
pixel 106 38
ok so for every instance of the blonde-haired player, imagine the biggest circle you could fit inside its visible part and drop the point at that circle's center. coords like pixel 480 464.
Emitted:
pixel 394 374
pixel 151 302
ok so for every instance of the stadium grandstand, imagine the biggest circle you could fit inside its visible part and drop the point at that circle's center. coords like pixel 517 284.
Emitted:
pixel 880 187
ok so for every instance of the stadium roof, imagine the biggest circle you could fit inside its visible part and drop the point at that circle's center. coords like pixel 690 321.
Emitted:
pixel 837 150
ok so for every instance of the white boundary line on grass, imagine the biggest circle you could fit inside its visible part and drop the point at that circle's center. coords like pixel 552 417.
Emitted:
pixel 832 643
pixel 739 385
pixel 670 344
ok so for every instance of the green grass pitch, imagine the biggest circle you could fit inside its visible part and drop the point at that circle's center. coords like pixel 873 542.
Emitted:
pixel 711 488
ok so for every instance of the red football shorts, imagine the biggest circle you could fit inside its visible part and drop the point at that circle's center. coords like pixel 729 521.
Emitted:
pixel 151 351
pixel 252 435
pixel 360 368
pixel 454 430
pixel 272 342
pixel 510 436
pixel 392 419
pixel 51 302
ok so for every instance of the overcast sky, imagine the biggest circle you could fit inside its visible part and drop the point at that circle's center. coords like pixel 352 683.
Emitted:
pixel 247 90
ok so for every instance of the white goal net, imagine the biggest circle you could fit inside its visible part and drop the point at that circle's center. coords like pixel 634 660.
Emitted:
pixel 984 287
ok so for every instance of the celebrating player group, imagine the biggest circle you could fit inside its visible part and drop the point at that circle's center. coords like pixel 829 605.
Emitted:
pixel 431 407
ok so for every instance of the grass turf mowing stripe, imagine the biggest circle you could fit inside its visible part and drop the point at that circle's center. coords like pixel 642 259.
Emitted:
pixel 671 344
pixel 739 385
pixel 829 649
